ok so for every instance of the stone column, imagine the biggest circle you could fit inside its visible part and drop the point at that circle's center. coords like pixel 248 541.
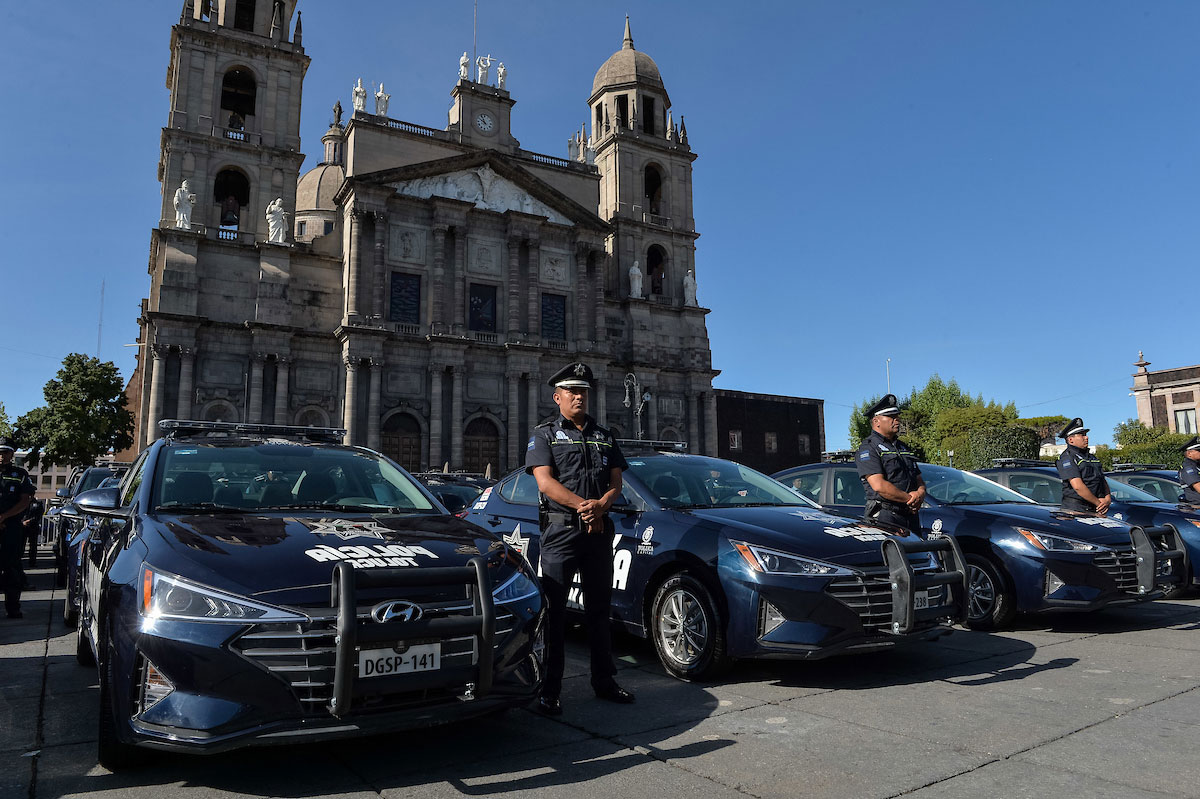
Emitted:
pixel 460 280
pixel 710 424
pixel 534 311
pixel 354 259
pixel 582 306
pixel 693 421
pixel 158 376
pixel 650 413
pixel 187 366
pixel 379 281
pixel 439 284
pixel 602 268
pixel 435 416
pixel 282 363
pixel 373 438
pixel 531 413
pixel 456 420
pixel 255 402
pixel 514 420
pixel 351 401
pixel 513 310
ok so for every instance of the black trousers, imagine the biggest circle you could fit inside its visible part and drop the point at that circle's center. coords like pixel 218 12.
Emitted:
pixel 1077 504
pixel 12 542
pixel 568 551
pixel 31 536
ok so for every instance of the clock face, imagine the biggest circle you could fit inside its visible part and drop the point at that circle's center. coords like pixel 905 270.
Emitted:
pixel 484 121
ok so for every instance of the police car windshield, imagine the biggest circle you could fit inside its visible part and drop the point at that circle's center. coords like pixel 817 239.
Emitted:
pixel 952 487
pixel 691 481
pixel 1122 492
pixel 273 476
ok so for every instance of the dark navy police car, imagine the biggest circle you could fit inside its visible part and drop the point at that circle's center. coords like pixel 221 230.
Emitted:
pixel 714 561
pixel 251 584
pixel 1020 556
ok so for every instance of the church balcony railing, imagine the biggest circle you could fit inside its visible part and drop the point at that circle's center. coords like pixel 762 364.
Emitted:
pixel 556 344
pixel 408 127
pixel 236 134
pixel 230 234
pixel 564 163
pixel 486 338
pixel 656 219
pixel 404 328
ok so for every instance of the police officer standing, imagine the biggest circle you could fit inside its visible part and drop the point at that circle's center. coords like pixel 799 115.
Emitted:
pixel 888 469
pixel 16 491
pixel 578 466
pixel 32 522
pixel 1084 486
pixel 1189 472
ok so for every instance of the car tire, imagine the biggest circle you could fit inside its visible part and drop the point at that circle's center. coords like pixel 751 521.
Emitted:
pixel 991 601
pixel 70 612
pixel 111 751
pixel 687 629
pixel 83 650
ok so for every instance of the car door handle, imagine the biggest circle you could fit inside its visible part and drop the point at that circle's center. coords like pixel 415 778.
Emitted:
pixel 493 520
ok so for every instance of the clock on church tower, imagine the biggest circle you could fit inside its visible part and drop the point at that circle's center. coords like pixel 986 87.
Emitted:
pixel 482 115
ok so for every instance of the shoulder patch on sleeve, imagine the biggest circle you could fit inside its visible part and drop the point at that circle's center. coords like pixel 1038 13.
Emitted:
pixel 532 443
pixel 864 455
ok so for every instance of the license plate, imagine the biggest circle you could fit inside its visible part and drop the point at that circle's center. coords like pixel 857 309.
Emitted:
pixel 388 662
pixel 920 600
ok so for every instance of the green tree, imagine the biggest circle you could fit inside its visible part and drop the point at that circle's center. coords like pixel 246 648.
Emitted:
pixel 1131 433
pixel 1007 441
pixel 6 428
pixel 84 415
pixel 860 425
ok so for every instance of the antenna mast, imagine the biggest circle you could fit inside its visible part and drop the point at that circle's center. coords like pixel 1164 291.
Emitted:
pixel 100 324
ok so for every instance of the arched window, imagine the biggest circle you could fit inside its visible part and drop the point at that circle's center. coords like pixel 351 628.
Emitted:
pixel 231 193
pixel 238 91
pixel 220 411
pixel 312 417
pixel 402 441
pixel 656 268
pixel 653 181
pixel 481 446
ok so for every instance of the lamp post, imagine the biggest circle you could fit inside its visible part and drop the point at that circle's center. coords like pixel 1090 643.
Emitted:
pixel 632 389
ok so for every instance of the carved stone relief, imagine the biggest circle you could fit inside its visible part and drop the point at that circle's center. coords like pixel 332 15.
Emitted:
pixel 484 256
pixel 406 244
pixel 483 187
pixel 555 267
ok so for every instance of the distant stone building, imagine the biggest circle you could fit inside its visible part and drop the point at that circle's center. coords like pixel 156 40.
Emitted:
pixel 768 432
pixel 1167 397
pixel 431 278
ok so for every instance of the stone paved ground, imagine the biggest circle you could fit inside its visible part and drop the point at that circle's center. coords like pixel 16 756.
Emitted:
pixel 1102 705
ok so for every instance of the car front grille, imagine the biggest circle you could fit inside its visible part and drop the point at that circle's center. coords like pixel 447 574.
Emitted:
pixel 1121 565
pixel 870 596
pixel 303 654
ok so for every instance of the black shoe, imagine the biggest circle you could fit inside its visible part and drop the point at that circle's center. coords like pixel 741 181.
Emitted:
pixel 17 615
pixel 549 706
pixel 615 693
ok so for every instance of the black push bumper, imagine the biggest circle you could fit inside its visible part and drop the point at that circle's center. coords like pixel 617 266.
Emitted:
pixel 905 582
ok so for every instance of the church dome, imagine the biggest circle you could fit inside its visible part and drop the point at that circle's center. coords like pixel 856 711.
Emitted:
pixel 317 186
pixel 627 65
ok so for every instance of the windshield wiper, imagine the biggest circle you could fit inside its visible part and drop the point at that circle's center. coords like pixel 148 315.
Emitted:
pixel 198 506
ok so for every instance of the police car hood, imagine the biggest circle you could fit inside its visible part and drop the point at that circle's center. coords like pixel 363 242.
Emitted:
pixel 286 559
pixel 803 531
pixel 1056 521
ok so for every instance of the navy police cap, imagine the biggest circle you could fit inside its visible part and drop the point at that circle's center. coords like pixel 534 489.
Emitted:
pixel 6 444
pixel 887 406
pixel 573 375
pixel 1193 444
pixel 1073 428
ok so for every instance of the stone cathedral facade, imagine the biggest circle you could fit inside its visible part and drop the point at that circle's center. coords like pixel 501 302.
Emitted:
pixel 429 279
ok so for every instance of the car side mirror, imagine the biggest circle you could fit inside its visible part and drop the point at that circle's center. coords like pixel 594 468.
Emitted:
pixel 63 493
pixel 99 500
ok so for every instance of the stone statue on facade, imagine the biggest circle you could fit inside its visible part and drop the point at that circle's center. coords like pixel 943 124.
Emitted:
pixel 337 113
pixel 276 222
pixel 184 200
pixel 689 289
pixel 501 75
pixel 483 64
pixel 464 66
pixel 360 97
pixel 381 102
pixel 635 281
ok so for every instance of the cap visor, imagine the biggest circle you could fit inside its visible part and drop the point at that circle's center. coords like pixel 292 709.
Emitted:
pixel 572 384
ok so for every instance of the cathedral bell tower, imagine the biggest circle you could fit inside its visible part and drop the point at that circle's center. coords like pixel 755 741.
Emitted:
pixel 645 166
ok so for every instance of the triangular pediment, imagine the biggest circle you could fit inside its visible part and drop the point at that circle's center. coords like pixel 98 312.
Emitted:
pixel 490 182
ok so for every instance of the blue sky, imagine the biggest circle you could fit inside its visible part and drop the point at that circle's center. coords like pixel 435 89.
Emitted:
pixel 1000 192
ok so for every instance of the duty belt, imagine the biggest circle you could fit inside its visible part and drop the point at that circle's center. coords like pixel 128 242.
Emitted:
pixel 555 517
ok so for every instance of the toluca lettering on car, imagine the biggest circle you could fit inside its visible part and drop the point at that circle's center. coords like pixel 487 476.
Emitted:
pixel 167 596
pixel 367 556
pixel 772 561
pixel 860 533
pixel 1056 543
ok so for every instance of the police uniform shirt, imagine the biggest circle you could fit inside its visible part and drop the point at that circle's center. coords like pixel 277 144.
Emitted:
pixel 14 483
pixel 1189 475
pixel 581 460
pixel 1075 462
pixel 892 459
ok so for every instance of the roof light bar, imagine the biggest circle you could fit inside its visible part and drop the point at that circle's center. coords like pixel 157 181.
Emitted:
pixel 180 428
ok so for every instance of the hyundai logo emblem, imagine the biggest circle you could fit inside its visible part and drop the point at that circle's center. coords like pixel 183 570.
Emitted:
pixel 396 609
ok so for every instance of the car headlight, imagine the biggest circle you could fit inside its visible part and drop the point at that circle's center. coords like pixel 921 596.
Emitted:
pixel 1056 543
pixel 166 596
pixel 514 589
pixel 1195 522
pixel 772 561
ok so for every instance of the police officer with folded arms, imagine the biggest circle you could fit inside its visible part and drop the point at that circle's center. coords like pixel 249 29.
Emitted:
pixel 1189 472
pixel 578 466
pixel 16 492
pixel 888 469
pixel 1084 486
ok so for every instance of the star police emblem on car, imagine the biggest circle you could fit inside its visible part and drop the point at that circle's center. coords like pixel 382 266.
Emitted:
pixel 345 529
pixel 396 609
